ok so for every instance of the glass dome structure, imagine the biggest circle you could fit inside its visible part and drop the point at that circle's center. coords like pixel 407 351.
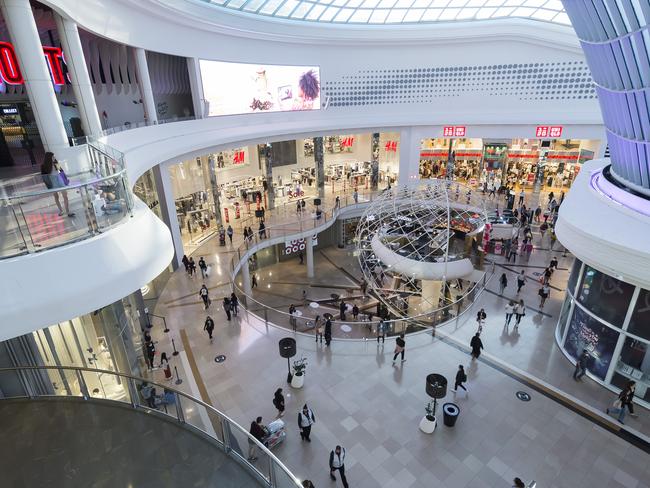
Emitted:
pixel 375 12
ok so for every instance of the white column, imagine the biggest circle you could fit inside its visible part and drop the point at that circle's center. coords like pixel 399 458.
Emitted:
pixel 24 35
pixel 168 210
pixel 246 279
pixel 196 87
pixel 409 157
pixel 79 77
pixel 309 250
pixel 144 81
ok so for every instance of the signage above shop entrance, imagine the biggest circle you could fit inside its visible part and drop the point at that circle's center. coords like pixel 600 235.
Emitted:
pixel 453 131
pixel 10 69
pixel 552 131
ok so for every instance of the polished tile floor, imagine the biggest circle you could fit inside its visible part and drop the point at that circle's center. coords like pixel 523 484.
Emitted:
pixel 373 408
pixel 70 444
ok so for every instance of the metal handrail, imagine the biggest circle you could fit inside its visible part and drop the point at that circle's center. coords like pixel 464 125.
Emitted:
pixel 129 382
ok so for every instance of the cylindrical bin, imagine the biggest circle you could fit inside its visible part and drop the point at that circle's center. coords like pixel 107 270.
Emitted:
pixel 287 347
pixel 450 413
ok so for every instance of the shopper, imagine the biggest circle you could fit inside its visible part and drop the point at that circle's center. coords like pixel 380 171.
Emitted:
pixel 234 304
pixel 186 263
pixel 342 309
pixel 546 278
pixel 543 293
pixel 538 212
pixel 203 267
pixel 520 311
pixel 148 393
pixel 278 401
pixel 262 230
pixel 164 364
pixel 382 327
pixel 510 309
pixel 476 344
pixel 630 397
pixel 337 463
pixel 521 280
pixel 192 265
pixel 258 432
pixel 227 307
pixel 481 316
pixel 622 400
pixel 208 326
pixel 250 234
pixel 305 420
pixel 253 281
pixel 230 233
pixel 512 253
pixel 328 331
pixel 318 328
pixel 150 353
pixel 292 317
pixel 54 178
pixel 581 365
pixel 553 264
pixel 307 484
pixel 503 283
pixel 461 378
pixel 355 195
pixel 364 287
pixel 400 347
pixel 517 483
pixel 205 296
pixel 301 257
pixel 355 312
pixel 521 197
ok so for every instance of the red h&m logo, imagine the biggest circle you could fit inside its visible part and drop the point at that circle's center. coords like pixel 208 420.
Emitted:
pixel 391 146
pixel 10 70
pixel 347 142
pixel 238 157
pixel 554 131
pixel 454 131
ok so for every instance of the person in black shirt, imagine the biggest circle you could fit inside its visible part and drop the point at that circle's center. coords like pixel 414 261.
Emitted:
pixel 461 378
pixel 257 431
pixel 476 344
pixel 209 326
pixel 400 346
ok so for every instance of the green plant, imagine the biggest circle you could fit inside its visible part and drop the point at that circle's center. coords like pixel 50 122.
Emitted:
pixel 299 366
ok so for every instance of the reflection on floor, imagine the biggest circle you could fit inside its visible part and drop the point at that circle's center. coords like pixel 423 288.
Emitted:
pixel 373 408
pixel 75 444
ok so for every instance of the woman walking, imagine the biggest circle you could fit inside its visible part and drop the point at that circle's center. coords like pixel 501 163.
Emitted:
pixel 476 344
pixel 278 401
pixel 164 364
pixel 520 311
pixel 503 282
pixel 543 294
pixel 624 399
pixel 400 347
pixel 234 304
pixel 328 331
pixel 54 178
pixel 510 309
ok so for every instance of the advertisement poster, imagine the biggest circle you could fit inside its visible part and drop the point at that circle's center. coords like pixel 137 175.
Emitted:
pixel 239 88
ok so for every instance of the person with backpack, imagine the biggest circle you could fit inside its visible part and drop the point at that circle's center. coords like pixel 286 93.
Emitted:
pixel 205 296
pixel 208 326
pixel 305 420
pixel 461 378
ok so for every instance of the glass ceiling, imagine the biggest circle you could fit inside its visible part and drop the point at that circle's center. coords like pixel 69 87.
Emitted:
pixel 400 11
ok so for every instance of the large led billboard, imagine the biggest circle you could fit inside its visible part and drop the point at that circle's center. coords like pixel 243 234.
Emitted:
pixel 238 88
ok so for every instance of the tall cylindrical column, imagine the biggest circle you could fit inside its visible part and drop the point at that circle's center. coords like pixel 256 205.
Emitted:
pixel 144 81
pixel 78 71
pixel 319 160
pixel 374 168
pixel 309 250
pixel 212 168
pixel 168 210
pixel 20 23
pixel 196 87
pixel 270 191
pixel 409 157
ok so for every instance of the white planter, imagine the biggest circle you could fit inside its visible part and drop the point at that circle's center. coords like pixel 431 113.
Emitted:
pixel 427 426
pixel 298 380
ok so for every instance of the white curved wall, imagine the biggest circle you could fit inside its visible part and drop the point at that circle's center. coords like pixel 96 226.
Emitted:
pixel 41 289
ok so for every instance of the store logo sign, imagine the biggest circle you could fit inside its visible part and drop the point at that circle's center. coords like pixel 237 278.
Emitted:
pixel 238 157
pixel 454 131
pixel 391 146
pixel 10 70
pixel 347 141
pixel 9 110
pixel 553 131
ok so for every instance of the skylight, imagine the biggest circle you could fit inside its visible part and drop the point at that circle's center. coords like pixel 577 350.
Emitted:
pixel 400 11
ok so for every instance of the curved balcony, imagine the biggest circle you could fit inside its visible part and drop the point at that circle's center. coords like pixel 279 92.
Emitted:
pixel 67 409
pixel 34 218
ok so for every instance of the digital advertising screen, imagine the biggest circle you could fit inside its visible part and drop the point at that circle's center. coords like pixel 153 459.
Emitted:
pixel 239 88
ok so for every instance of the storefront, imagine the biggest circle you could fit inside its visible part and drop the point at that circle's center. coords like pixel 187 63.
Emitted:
pixel 611 320
pixel 20 142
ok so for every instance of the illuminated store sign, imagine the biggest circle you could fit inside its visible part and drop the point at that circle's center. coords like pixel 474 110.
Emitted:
pixel 391 146
pixel 10 70
pixel 453 131
pixel 553 131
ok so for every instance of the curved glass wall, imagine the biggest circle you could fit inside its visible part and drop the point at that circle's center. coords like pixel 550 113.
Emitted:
pixel 611 320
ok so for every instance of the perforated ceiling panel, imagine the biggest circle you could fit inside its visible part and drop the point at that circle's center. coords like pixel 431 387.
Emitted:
pixel 527 81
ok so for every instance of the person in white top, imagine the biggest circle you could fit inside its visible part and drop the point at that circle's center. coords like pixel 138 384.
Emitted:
pixel 337 462
pixel 520 311
pixel 510 309
pixel 305 420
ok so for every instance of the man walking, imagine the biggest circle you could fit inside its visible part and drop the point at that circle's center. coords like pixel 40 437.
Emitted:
pixel 461 378
pixel 209 326
pixel 381 331
pixel 581 365
pixel 305 420
pixel 204 294
pixel 230 232
pixel 400 346
pixel 337 462
pixel 521 280
pixel 203 267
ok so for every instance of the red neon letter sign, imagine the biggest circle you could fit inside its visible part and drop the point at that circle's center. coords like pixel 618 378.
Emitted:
pixel 9 69
pixel 52 55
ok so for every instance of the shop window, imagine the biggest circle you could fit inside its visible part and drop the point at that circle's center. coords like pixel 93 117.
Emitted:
pixel 606 297
pixel 634 364
pixel 564 315
pixel 640 320
pixel 573 277
pixel 585 332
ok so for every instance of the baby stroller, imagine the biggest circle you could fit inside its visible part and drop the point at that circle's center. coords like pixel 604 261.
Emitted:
pixel 275 434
